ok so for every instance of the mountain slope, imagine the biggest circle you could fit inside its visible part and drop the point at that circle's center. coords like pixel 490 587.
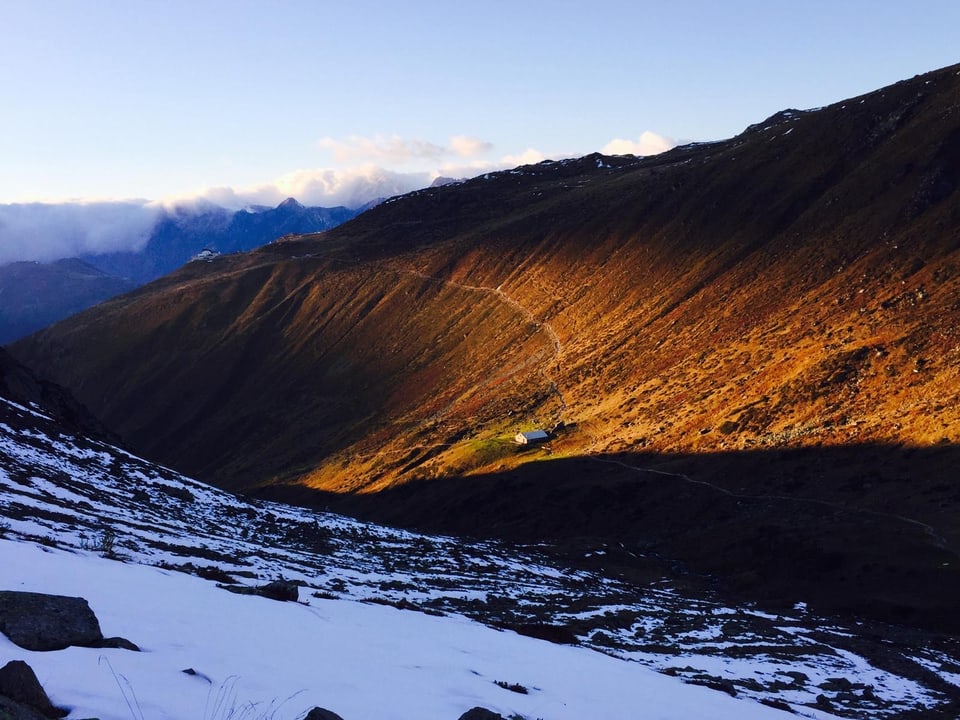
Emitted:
pixel 792 288
pixel 34 295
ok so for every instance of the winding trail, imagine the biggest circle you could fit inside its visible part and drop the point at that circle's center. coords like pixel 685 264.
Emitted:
pixel 498 292
pixel 523 311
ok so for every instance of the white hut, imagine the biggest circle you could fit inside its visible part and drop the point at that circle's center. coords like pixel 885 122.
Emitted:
pixel 530 437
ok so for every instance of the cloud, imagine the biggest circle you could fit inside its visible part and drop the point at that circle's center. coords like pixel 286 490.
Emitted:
pixel 648 144
pixel 396 150
pixel 49 231
pixel 527 157
pixel 322 186
pixel 469 147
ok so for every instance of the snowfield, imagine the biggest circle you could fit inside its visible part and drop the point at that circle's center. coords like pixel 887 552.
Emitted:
pixel 280 659
pixel 393 624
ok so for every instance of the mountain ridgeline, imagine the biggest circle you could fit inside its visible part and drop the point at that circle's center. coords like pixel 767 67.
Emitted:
pixel 746 351
pixel 181 233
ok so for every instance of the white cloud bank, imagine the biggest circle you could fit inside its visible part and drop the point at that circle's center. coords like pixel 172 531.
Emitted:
pixel 45 231
pixel 396 150
pixel 49 231
pixel 648 143
pixel 321 187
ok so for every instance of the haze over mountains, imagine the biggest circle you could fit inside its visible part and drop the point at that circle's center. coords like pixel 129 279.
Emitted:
pixel 35 294
pixel 747 351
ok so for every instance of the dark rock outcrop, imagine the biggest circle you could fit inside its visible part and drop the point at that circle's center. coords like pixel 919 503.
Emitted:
pixel 19 684
pixel 479 713
pixel 283 590
pixel 35 621
pixel 280 590
pixel 543 631
pixel 118 643
pixel 319 713
pixel 12 710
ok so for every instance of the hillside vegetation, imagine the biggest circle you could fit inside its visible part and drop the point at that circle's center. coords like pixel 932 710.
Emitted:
pixel 740 316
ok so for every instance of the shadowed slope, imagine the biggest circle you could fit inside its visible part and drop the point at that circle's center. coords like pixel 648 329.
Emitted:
pixel 865 531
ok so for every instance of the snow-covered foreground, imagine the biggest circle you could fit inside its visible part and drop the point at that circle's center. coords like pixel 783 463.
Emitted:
pixel 147 547
pixel 359 660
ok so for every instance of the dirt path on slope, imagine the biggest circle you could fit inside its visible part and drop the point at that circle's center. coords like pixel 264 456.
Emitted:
pixel 525 313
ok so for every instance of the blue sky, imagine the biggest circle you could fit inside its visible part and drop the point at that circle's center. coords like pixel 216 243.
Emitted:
pixel 243 101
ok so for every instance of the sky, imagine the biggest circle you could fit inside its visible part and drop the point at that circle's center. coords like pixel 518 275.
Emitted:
pixel 246 102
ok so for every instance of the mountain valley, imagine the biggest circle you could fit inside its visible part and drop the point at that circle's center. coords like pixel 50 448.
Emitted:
pixel 746 353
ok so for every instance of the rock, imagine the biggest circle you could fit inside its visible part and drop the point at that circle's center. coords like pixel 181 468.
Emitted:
pixel 19 683
pixel 479 713
pixel 280 590
pixel 12 710
pixel 193 673
pixel 276 590
pixel 117 642
pixel 319 713
pixel 35 621
pixel 544 631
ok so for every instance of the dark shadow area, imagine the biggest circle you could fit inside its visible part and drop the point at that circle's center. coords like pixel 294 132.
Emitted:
pixel 865 531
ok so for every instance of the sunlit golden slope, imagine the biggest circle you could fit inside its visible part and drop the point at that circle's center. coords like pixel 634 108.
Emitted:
pixel 795 285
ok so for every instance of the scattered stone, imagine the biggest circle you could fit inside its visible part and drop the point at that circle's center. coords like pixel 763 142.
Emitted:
pixel 36 621
pixel 284 590
pixel 19 683
pixel 715 683
pixel 319 713
pixel 543 631
pixel 479 713
pixel 118 643
pixel 194 673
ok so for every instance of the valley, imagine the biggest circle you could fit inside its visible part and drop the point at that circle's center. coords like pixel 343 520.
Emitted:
pixel 746 353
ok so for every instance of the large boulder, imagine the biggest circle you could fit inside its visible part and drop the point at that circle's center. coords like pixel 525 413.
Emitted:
pixel 319 713
pixel 12 710
pixel 36 621
pixel 479 713
pixel 284 590
pixel 19 683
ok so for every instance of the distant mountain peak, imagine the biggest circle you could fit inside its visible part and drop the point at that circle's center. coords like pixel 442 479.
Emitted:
pixel 290 204
pixel 442 180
